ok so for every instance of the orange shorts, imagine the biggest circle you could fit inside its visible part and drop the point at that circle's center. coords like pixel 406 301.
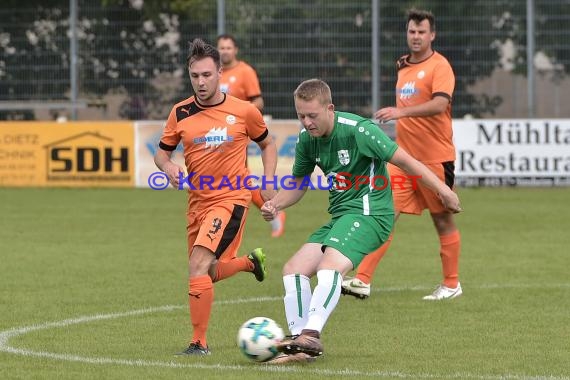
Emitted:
pixel 218 228
pixel 413 198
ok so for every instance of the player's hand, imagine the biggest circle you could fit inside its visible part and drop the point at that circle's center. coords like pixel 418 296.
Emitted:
pixel 450 201
pixel 387 114
pixel 173 172
pixel 269 211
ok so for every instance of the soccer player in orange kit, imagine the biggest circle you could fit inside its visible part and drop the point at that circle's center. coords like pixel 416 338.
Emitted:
pixel 215 129
pixel 423 112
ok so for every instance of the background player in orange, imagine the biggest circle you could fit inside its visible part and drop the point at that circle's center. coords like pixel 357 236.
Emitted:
pixel 240 80
pixel 423 112
pixel 215 130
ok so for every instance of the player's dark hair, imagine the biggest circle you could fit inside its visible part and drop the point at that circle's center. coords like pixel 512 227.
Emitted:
pixel 200 49
pixel 227 37
pixel 419 15
pixel 314 89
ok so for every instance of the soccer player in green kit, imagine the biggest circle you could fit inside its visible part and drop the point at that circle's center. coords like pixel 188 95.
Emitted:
pixel 349 149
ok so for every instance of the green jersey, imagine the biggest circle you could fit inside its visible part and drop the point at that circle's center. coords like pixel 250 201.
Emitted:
pixel 353 158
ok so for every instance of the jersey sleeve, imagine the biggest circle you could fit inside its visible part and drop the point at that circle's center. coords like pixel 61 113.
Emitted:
pixel 170 137
pixel 373 142
pixel 251 84
pixel 443 80
pixel 255 125
pixel 303 165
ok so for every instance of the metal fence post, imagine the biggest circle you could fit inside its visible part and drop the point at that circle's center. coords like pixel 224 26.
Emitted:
pixel 375 56
pixel 530 48
pixel 73 55
pixel 221 17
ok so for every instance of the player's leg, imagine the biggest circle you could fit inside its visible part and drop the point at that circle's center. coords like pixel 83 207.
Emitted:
pixel 323 301
pixel 200 298
pixel 211 234
pixel 355 236
pixel 449 237
pixel 299 302
pixel 296 280
pixel 222 234
pixel 450 249
pixel 200 286
pixel 405 201
pixel 360 285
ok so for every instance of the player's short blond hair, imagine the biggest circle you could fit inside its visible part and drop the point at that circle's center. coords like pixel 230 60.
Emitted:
pixel 314 89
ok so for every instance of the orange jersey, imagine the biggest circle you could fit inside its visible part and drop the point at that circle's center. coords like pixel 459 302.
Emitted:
pixel 428 139
pixel 240 81
pixel 215 140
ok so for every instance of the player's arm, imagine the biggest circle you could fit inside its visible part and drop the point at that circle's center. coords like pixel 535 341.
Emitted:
pixel 257 101
pixel 410 165
pixel 163 161
pixel 269 159
pixel 435 106
pixel 168 143
pixel 253 88
pixel 296 189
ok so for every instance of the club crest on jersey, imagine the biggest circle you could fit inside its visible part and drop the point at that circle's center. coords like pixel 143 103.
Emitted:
pixel 343 157
pixel 230 119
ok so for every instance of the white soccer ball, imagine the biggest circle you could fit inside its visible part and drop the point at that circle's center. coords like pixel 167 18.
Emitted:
pixel 257 338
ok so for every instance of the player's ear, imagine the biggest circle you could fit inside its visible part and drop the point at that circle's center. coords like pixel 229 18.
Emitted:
pixel 330 107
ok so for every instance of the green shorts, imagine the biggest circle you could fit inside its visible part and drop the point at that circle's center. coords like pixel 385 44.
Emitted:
pixel 354 235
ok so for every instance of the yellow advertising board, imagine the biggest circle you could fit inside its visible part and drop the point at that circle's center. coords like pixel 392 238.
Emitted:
pixel 74 154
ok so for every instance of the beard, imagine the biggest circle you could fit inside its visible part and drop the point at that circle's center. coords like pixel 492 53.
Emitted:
pixel 204 96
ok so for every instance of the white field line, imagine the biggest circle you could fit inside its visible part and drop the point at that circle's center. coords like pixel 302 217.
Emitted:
pixel 6 335
pixel 480 287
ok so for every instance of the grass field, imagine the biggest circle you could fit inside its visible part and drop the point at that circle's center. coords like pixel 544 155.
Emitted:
pixel 93 286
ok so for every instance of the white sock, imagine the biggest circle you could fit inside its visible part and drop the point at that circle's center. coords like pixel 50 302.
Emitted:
pixel 275 223
pixel 324 300
pixel 297 299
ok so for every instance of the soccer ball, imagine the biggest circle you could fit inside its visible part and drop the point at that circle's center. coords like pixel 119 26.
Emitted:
pixel 257 338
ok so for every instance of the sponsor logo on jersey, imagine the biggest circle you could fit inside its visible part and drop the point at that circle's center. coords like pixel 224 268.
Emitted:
pixel 214 138
pixel 408 90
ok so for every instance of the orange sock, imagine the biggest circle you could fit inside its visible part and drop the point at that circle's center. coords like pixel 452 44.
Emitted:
pixel 449 253
pixel 256 198
pixel 368 265
pixel 225 269
pixel 200 299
